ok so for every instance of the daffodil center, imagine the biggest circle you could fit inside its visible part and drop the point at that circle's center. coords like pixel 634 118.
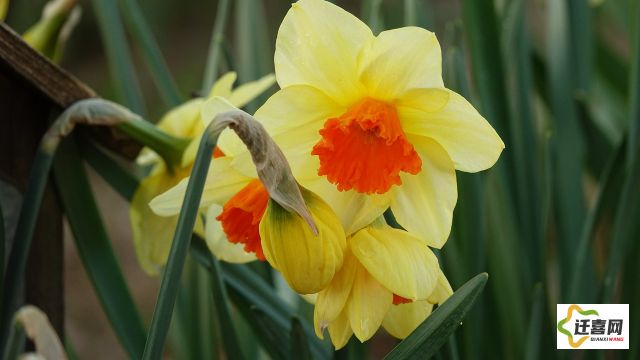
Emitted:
pixel 366 149
pixel 241 216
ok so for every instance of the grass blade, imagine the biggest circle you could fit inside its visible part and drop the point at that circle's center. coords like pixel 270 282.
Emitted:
pixel 179 246
pixel 221 305
pixel 532 346
pixel 273 338
pixel 215 47
pixel 123 73
pixel 151 52
pixel 94 248
pixel 435 331
pixel 247 288
pixel 634 91
pixel 121 180
pixel 299 344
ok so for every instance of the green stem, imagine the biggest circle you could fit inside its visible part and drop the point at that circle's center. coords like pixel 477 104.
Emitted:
pixel 170 148
pixel 151 52
pixel 213 57
pixel 186 221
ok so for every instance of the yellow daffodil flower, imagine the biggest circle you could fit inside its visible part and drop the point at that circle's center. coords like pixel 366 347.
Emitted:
pixel 244 224
pixel 389 278
pixel 370 115
pixel 152 234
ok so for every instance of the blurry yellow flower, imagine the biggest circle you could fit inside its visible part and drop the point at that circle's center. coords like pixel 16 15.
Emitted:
pixel 152 234
pixel 244 224
pixel 371 116
pixel 389 278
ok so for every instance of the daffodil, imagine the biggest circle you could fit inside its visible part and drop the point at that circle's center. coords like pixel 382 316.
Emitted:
pixel 244 223
pixel 389 278
pixel 367 123
pixel 152 234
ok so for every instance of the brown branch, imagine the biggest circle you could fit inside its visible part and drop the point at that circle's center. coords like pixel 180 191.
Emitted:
pixel 60 87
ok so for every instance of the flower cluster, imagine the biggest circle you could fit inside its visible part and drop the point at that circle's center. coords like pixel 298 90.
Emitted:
pixel 367 125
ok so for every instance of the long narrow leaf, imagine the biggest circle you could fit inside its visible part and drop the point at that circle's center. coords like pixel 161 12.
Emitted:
pixel 221 305
pixel 215 46
pixel 151 52
pixel 299 344
pixel 434 332
pixel 248 288
pixel 179 246
pixel 94 248
pixel 123 73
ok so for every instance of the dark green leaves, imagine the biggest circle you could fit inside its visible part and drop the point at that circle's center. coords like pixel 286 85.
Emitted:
pixel 425 341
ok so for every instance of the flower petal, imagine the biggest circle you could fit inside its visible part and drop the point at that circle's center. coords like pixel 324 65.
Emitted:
pixel 340 330
pixel 217 242
pixel 222 87
pixel 228 141
pixel 399 60
pixel 331 301
pixel 368 304
pixel 398 260
pixel 318 44
pixel 354 209
pixel 402 319
pixel 152 234
pixel 424 203
pixel 251 90
pixel 221 184
pixel 442 290
pixel 468 138
pixel 308 262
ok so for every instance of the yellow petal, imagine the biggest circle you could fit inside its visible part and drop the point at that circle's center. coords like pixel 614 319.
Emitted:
pixel 424 203
pixel 228 142
pixel 217 241
pixel 251 90
pixel 399 60
pixel 368 304
pixel 331 301
pixel 189 154
pixel 340 330
pixel 442 290
pixel 222 87
pixel 297 105
pixel 354 209
pixel 398 260
pixel 293 117
pixel 221 184
pixel 308 262
pixel 318 44
pixel 152 234
pixel 183 120
pixel 402 319
pixel 468 138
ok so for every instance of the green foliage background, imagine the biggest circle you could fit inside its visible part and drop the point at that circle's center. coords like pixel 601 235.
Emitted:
pixel 556 221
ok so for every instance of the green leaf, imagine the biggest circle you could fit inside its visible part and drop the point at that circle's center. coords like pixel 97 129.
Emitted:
pixel 634 91
pixel 123 72
pixel 425 341
pixel 223 312
pixel 14 274
pixel 151 52
pixel 273 338
pixel 254 54
pixel 536 316
pixel 247 288
pixel 607 196
pixel 15 342
pixel 215 47
pixel 94 248
pixel 179 246
pixel 121 180
pixel 299 344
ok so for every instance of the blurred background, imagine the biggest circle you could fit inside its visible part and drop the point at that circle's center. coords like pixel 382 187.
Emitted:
pixel 554 222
